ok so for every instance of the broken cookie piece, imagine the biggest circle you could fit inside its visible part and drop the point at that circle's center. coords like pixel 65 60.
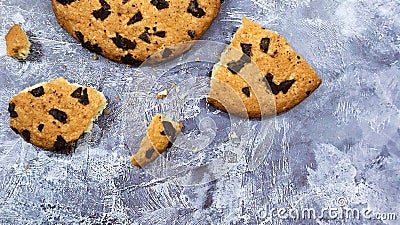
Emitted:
pixel 18 44
pixel 54 115
pixel 286 75
pixel 160 135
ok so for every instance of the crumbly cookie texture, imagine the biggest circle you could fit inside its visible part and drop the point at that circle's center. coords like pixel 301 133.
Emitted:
pixel 129 31
pixel 161 133
pixel 17 43
pixel 290 78
pixel 55 114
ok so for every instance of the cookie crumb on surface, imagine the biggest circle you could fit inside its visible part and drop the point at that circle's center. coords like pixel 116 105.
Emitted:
pixel 17 42
pixel 162 94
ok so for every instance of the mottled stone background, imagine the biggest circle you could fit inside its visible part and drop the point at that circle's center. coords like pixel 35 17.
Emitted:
pixel 338 149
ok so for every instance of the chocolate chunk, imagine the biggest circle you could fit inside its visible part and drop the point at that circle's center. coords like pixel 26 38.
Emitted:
pixel 130 60
pixel 246 91
pixel 84 99
pixel 123 43
pixel 160 34
pixel 145 37
pixel 105 5
pixel 162 133
pixel 11 107
pixel 88 45
pixel 13 114
pixel 37 92
pixel 103 12
pixel 246 48
pixel 169 129
pixel 169 144
pixel 80 36
pixel 11 110
pixel 149 153
pixel 235 67
pixel 40 127
pixel 77 93
pixel 160 4
pixel 26 135
pixel 192 34
pixel 92 47
pixel 166 53
pixel 308 92
pixel 136 18
pixel 264 44
pixel 82 95
pixel 283 86
pixel 61 145
pixel 195 10
pixel 15 130
pixel 65 2
pixel 124 1
pixel 58 115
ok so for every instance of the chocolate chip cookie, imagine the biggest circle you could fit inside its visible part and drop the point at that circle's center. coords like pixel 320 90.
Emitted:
pixel 129 31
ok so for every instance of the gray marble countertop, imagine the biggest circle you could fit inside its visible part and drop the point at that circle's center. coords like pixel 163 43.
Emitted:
pixel 333 159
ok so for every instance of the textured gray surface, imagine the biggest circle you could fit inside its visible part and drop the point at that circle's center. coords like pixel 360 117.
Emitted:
pixel 338 148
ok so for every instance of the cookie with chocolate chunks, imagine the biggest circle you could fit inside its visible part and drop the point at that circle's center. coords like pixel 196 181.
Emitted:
pixel 160 135
pixel 286 75
pixel 55 114
pixel 130 31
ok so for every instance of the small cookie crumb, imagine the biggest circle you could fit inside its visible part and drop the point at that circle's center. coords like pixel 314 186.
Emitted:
pixel 234 135
pixel 162 94
pixel 106 112
pixel 196 150
pixel 18 44
pixel 95 57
